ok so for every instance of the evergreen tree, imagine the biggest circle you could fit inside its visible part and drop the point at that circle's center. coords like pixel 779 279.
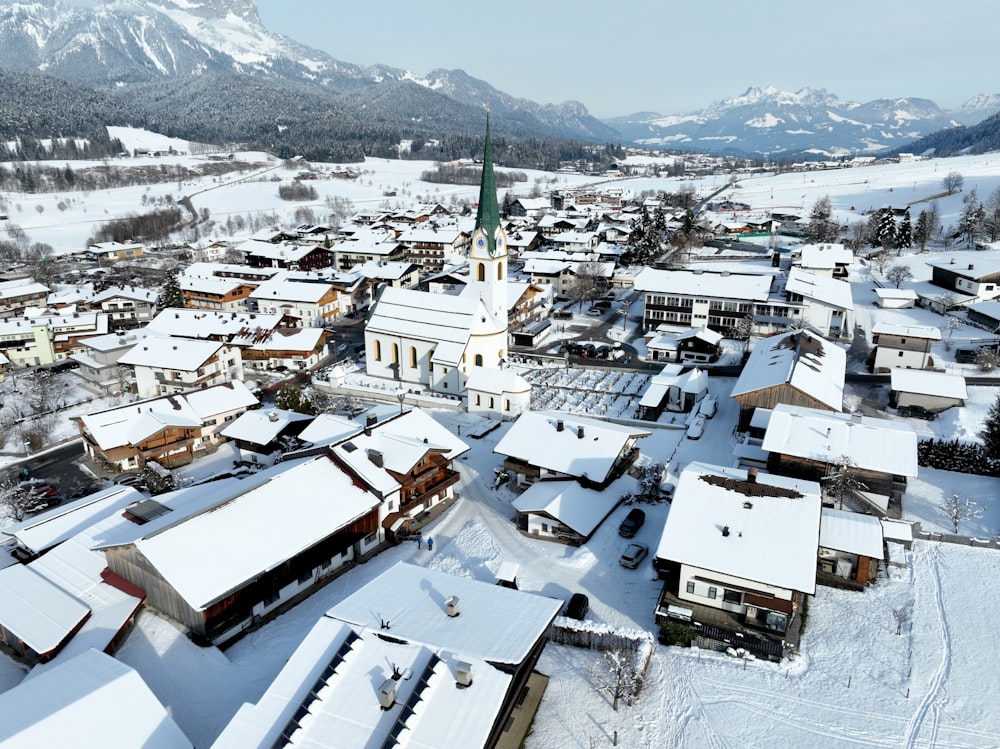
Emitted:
pixel 821 226
pixel 991 430
pixel 904 235
pixel 291 398
pixel 170 293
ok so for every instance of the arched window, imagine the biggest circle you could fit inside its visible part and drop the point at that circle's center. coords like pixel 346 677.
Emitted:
pixel 478 399
pixel 491 402
pixel 499 271
pixel 378 350
pixel 413 357
pixel 506 405
pixel 479 360
pixel 395 354
pixel 482 272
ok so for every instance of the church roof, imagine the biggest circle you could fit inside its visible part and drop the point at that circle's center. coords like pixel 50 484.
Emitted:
pixel 488 215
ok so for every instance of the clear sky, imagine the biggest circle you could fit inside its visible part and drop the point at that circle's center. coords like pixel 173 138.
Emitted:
pixel 626 56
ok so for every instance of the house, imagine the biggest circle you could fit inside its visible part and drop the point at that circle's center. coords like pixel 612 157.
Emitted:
pixel 812 443
pixel 971 282
pixel 695 346
pixel 543 445
pixel 826 302
pixel 19 294
pixel 557 274
pixel 215 293
pixel 38 618
pixel 393 674
pixel 370 245
pixel 935 391
pixel 798 368
pixel 260 434
pixel 429 244
pixel 87 696
pixel 829 260
pixel 285 255
pixel 170 429
pixel 126 307
pixel 328 519
pixel 497 393
pixel 528 207
pixel 903 346
pixel 48 338
pixel 562 510
pixel 851 547
pixel 673 389
pixel 985 315
pixel 738 554
pixel 110 252
pixel 165 365
pixel 306 300
pixel 889 298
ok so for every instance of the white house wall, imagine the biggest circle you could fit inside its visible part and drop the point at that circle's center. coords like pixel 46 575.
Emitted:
pixel 700 596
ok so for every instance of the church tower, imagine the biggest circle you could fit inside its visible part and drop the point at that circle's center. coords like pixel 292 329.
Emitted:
pixel 488 255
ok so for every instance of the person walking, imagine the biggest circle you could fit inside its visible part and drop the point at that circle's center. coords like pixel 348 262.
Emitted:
pixel 430 544
pixel 420 541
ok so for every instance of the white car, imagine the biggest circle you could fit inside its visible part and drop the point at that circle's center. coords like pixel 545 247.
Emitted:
pixel 696 428
pixel 709 405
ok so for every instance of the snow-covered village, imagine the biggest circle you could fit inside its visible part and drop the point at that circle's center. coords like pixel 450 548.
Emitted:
pixel 335 445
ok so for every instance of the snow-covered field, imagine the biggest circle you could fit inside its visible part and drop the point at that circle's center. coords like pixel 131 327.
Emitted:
pixel 856 683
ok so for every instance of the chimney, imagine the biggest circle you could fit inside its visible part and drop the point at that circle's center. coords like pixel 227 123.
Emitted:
pixel 387 694
pixel 451 606
pixel 751 478
pixel 725 530
pixel 579 433
pixel 375 457
pixel 855 417
pixel 463 674
pixel 371 421
pixel 272 416
pixel 559 425
pixel 971 266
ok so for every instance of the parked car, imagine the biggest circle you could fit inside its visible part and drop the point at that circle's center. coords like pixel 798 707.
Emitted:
pixel 633 554
pixel 577 607
pixel 603 352
pixel 709 405
pixel 603 304
pixel 918 412
pixel 562 314
pixel 696 428
pixel 595 312
pixel 632 523
pixel 135 480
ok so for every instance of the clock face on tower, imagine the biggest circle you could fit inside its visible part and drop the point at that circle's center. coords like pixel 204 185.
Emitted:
pixel 499 245
pixel 480 242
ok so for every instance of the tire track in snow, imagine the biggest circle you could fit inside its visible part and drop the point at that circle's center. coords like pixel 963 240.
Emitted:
pixel 944 667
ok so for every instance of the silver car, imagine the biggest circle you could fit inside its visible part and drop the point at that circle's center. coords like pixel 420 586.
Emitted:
pixel 633 554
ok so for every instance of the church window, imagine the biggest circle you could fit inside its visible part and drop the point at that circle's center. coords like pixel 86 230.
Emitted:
pixel 482 272
pixel 500 272
pixel 478 399
pixel 395 354
pixel 413 356
pixel 378 350
pixel 506 405
pixel 479 360
pixel 491 402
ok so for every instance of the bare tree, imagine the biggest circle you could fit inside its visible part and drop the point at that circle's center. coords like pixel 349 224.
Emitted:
pixel 987 359
pixel 585 286
pixel 844 479
pixel 953 182
pixel 15 501
pixel 897 274
pixel 957 509
pixel 902 616
pixel 618 676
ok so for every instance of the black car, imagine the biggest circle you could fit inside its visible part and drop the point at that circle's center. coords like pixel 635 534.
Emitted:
pixel 632 523
pixel 577 607
pixel 918 412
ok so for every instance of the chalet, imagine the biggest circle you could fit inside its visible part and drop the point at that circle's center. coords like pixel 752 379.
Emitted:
pixel 261 434
pixel 109 252
pixel 328 520
pixel 298 349
pixel 562 511
pixel 311 302
pixel 98 367
pixel 737 556
pixel 92 690
pixel 972 282
pixel 851 548
pixel 934 391
pixel 170 430
pixel 165 365
pixel 18 295
pixel 369 246
pixel 558 274
pixel 126 307
pixel 208 251
pixel 404 275
pixel 428 245
pixel 798 368
pixel 903 346
pixel 527 302
pixel 811 443
pixel 529 207
pixel 695 346
pixel 524 240
pixel 576 241
pixel 484 639
pixel 673 390
pixel 214 293
pixel 287 255
pixel 543 445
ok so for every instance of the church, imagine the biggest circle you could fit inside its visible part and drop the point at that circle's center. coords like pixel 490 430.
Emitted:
pixel 454 345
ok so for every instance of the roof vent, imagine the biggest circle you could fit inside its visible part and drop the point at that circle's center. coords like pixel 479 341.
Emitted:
pixel 748 505
pixel 451 606
pixel 579 433
pixel 463 674
pixel 387 694
pixel 559 425
pixel 272 416
pixel 375 456
pixel 725 530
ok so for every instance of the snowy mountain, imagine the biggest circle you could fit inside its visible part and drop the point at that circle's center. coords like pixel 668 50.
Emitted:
pixel 129 43
pixel 774 122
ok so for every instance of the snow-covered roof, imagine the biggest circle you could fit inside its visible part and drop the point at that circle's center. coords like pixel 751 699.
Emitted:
pixel 825 255
pixel 496 381
pixel 385 269
pixel 240 328
pixel 830 291
pixel 545 267
pixel 241 533
pixel 431 317
pixel 988 308
pixel 871 444
pixel 25 287
pixel 163 352
pixel 496 624
pixel 289 290
pixel 131 423
pixel 978 270
pixel 346 711
pixel 851 532
pixel 92 697
pixel 889 293
pixel 36 611
pixel 329 428
pixel 907 331
pixel 262 426
pixel 724 285
pixel 45 530
pixel 567 443
pixel 773 525
pixel 126 292
pixel 115 341
pixel 579 509
pixel 800 359
pixel 926 382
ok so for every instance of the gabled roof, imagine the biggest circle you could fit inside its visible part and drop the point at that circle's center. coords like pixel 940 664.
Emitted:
pixel 92 695
pixel 130 292
pixel 830 291
pixel 907 331
pixel 536 439
pixel 432 317
pixel 262 426
pixel 851 532
pixel 772 522
pixel 579 509
pixel 290 290
pixel 825 255
pixel 925 382
pixel 498 625
pixel 36 611
pixel 871 444
pixel 756 287
pixel 164 352
pixel 798 358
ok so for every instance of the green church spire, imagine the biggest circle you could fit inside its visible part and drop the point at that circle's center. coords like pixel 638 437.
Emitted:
pixel 488 216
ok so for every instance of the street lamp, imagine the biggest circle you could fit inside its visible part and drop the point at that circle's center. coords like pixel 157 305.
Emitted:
pixel 400 396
